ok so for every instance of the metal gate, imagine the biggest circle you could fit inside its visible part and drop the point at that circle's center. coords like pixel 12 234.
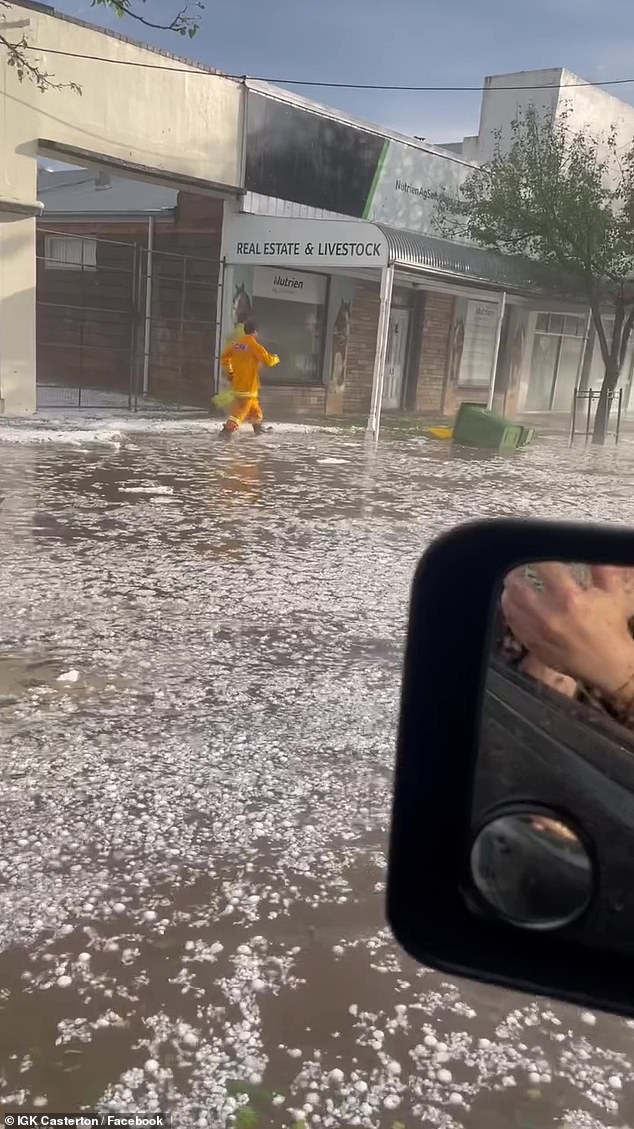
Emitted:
pixel 125 324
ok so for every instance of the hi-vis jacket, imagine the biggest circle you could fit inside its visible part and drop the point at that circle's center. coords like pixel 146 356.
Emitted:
pixel 241 360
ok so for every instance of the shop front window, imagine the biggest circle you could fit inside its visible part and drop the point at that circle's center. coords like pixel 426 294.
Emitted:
pixel 478 347
pixel 555 362
pixel 289 308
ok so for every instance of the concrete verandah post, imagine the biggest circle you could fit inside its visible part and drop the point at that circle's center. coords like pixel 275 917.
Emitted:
pixel 17 317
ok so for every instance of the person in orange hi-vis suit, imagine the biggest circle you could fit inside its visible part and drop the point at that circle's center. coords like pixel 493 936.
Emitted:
pixel 241 361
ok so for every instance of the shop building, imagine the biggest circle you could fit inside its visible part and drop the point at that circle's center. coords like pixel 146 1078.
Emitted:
pixel 463 324
pixel 458 323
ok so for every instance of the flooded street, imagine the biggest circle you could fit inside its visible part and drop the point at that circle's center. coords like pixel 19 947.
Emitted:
pixel 199 681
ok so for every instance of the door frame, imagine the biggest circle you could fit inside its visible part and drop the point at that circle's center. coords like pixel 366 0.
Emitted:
pixel 406 313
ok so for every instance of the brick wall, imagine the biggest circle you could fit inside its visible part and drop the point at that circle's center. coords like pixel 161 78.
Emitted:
pixel 184 299
pixel 363 326
pixel 287 403
pixel 432 364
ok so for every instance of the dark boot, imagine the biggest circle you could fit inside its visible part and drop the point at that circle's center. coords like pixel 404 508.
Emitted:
pixel 225 433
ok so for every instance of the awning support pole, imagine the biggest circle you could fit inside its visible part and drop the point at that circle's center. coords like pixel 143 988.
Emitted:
pixel 378 377
pixel 496 349
pixel 147 321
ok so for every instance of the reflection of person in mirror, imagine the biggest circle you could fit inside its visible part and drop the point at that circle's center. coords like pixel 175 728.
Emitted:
pixel 577 639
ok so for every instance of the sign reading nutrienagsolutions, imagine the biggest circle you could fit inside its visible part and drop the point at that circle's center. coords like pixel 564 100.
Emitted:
pixel 261 240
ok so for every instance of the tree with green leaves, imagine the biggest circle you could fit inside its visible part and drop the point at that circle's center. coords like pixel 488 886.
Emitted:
pixel 17 49
pixel 564 198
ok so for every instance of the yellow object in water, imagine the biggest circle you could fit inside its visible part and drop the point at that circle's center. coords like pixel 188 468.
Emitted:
pixel 224 399
pixel 440 432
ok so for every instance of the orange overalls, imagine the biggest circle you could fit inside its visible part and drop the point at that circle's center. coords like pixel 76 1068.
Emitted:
pixel 241 361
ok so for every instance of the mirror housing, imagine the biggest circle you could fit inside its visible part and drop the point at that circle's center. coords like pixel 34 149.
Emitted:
pixel 438 803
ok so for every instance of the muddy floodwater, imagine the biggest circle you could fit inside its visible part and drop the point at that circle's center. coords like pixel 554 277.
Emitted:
pixel 199 675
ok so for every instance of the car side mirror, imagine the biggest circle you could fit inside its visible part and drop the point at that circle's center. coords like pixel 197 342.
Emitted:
pixel 512 839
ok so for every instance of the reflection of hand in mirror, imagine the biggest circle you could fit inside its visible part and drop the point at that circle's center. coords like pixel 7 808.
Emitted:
pixel 576 631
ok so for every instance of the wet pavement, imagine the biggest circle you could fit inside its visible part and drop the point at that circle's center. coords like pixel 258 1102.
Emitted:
pixel 199 679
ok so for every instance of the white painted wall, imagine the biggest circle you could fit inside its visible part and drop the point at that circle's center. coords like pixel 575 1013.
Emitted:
pixel 591 109
pixel 500 106
pixel 181 125
pixel 594 110
pixel 17 317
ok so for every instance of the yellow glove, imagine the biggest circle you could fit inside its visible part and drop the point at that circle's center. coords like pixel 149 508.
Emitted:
pixel 222 400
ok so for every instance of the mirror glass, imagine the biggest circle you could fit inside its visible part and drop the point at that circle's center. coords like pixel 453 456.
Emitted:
pixel 553 813
pixel 532 869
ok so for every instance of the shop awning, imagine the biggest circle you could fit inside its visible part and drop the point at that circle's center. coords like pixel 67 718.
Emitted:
pixel 460 262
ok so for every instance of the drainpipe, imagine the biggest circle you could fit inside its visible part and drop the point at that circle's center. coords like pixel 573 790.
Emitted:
pixel 378 377
pixel 496 349
pixel 147 332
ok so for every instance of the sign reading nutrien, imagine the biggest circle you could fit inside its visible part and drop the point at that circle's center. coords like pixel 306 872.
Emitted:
pixel 303 243
pixel 269 282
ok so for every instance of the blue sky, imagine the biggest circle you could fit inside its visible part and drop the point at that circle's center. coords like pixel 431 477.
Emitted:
pixel 432 42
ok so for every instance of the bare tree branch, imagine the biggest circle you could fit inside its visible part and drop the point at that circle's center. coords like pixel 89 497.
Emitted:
pixel 182 23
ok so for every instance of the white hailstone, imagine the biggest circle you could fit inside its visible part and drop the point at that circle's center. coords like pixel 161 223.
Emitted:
pixel 66 929
pixel 189 945
pixel 392 1101
pixel 151 1066
pixel 393 1067
pixel 190 1039
pixel 216 948
pixel 484 1044
pixel 244 950
pixel 444 1076
pixel 430 1041
pixel 442 1048
pixel 278 1099
pixel 112 946
pixel 615 1082
pixel 27 975
pixel 588 1018
pixel 255 1079
pixel 64 981
pixel 361 1086
pixel 508 1081
pixel 150 915
pixel 534 1078
pixel 545 1079
pixel 119 907
pixel 401 1009
pixel 338 950
pixel 336 1075
pixel 353 1009
pixel 455 1099
pixel 40 1101
pixel 295 1052
pixel 443 1056
pixel 69 676
pixel 312 1098
pixel 258 985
